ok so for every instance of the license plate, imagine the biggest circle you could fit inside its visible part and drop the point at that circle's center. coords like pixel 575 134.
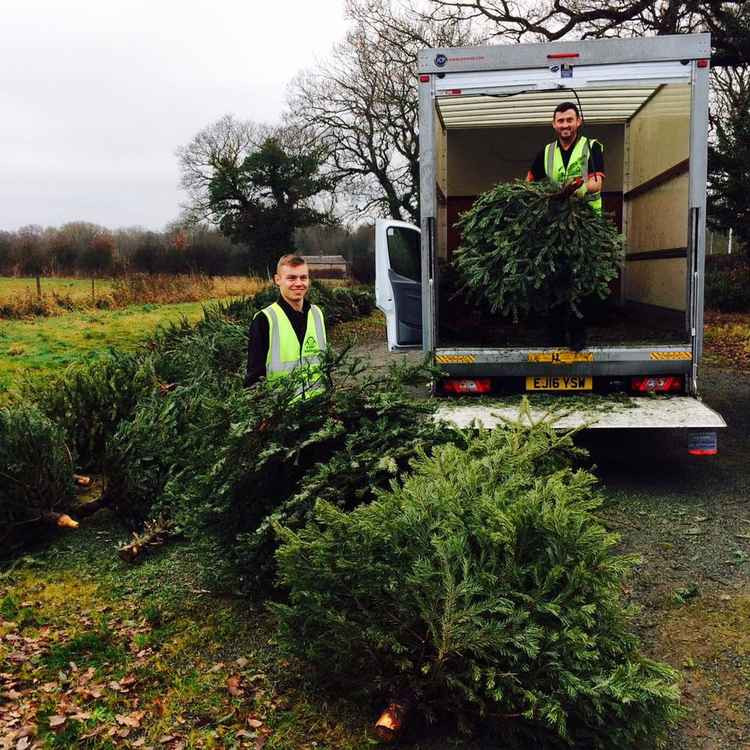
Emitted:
pixel 558 383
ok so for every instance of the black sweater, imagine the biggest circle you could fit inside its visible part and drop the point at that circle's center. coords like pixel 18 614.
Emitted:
pixel 257 350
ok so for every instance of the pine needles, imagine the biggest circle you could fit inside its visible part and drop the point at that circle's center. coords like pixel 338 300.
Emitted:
pixel 527 249
pixel 485 588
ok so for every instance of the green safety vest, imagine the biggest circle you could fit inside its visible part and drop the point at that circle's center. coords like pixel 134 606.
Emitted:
pixel 578 166
pixel 285 353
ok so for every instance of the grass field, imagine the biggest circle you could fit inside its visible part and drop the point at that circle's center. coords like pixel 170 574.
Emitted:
pixel 79 289
pixel 42 345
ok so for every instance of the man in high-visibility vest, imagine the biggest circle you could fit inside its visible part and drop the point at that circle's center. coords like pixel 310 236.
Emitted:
pixel 288 334
pixel 576 164
pixel 571 160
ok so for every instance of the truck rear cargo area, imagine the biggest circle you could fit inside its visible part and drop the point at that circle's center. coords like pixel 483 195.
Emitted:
pixel 483 138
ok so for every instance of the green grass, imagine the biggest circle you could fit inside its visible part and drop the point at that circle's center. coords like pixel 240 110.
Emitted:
pixel 42 345
pixel 149 638
pixel 77 288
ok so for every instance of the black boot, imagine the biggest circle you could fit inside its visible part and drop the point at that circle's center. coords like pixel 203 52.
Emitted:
pixel 578 336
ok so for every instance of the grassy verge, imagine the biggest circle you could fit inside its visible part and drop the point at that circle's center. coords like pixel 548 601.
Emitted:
pixel 42 345
pixel 100 654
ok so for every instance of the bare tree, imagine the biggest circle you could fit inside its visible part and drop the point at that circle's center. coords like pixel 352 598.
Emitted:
pixel 361 104
pixel 220 147
pixel 550 20
pixel 730 91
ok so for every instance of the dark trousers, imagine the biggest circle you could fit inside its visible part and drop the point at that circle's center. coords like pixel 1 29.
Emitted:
pixel 565 328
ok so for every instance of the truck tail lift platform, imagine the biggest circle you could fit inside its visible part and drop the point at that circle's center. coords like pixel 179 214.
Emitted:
pixel 484 112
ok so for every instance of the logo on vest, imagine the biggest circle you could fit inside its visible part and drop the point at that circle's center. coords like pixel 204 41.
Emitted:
pixel 311 345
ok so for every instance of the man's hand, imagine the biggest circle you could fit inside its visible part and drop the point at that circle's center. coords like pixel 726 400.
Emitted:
pixel 573 186
pixel 577 187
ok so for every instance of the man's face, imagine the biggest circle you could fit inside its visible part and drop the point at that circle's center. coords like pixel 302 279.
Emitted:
pixel 566 124
pixel 293 282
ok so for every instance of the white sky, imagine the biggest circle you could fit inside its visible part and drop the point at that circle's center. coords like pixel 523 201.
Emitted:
pixel 96 95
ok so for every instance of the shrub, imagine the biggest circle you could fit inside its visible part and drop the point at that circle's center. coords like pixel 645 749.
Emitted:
pixel 163 288
pixel 36 472
pixel 524 248
pixel 482 586
pixel 28 305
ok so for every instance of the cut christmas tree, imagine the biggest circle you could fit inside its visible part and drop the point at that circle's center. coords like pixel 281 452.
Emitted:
pixel 531 247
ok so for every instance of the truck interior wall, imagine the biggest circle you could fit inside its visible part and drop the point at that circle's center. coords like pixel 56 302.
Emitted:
pixel 476 159
pixel 656 200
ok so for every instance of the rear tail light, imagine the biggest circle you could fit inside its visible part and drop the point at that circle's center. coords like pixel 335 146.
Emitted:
pixel 473 385
pixel 657 384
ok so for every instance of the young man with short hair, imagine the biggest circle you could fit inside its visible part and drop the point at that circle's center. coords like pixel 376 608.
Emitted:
pixel 290 333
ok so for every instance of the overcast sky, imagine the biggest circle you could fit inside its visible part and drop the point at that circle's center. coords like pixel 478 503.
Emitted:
pixel 96 95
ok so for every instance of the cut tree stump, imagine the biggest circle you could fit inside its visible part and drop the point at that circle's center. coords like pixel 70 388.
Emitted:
pixel 389 726
pixel 82 481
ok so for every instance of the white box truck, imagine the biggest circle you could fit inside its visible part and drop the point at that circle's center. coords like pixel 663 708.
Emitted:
pixel 484 112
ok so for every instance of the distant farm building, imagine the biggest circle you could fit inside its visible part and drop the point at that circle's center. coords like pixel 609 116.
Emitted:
pixel 327 266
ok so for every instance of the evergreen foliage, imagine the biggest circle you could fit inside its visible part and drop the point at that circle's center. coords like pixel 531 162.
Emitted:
pixel 727 285
pixel 223 461
pixel 527 248
pixel 483 587
pixel 36 472
pixel 88 400
pixel 261 201
pixel 178 435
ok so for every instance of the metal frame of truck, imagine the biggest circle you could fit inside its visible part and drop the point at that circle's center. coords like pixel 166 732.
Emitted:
pixel 448 76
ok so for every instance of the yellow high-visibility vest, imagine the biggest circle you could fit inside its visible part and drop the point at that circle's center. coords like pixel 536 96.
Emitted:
pixel 285 353
pixel 578 166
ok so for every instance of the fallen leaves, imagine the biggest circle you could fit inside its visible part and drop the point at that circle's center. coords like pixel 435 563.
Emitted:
pixel 132 720
pixel 727 340
pixel 86 677
pixel 57 722
pixel 233 686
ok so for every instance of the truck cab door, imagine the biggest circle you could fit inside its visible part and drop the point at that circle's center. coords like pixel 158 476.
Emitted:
pixel 398 282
